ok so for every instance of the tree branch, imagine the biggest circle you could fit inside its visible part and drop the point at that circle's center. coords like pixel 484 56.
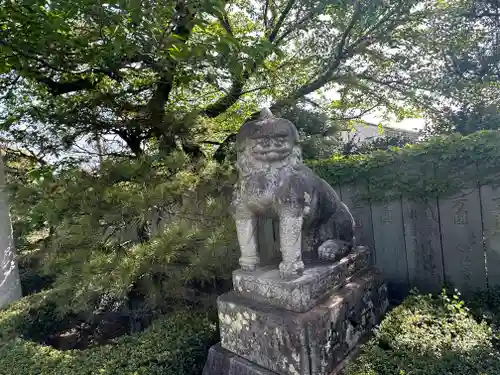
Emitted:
pixel 388 83
pixel 114 154
pixel 228 100
pixel 298 25
pixel 231 97
pixel 341 53
pixel 28 154
pixel 56 88
pixel 238 83
pixel 133 141
pixel 359 115
pixel 295 27
pixel 182 28
pixel 266 9
pixel 9 88
pixel 234 94
pixel 343 40
pixel 31 56
pixel 255 89
pixel 374 27
pixel 274 33
pixel 224 21
pixel 60 88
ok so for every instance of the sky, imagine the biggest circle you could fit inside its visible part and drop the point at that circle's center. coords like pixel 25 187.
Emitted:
pixel 407 124
pixel 375 118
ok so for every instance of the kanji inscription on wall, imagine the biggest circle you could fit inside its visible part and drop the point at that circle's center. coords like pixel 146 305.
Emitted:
pixel 496 212
pixel 461 214
pixel 386 215
pixel 358 222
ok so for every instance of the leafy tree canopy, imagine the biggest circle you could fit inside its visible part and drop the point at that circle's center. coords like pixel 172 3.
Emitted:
pixel 140 84
pixel 141 75
pixel 465 37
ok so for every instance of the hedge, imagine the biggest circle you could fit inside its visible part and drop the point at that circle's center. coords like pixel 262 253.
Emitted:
pixel 441 166
pixel 429 335
pixel 174 344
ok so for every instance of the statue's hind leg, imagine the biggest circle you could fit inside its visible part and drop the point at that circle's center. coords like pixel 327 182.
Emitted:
pixel 333 250
pixel 337 239
pixel 309 245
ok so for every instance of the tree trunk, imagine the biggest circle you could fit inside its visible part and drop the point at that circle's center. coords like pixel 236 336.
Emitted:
pixel 10 284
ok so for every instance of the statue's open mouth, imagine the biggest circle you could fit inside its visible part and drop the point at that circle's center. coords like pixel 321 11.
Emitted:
pixel 273 154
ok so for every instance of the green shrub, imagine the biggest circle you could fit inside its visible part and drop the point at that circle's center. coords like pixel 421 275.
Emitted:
pixel 79 234
pixel 65 217
pixel 441 166
pixel 486 306
pixel 428 335
pixel 175 344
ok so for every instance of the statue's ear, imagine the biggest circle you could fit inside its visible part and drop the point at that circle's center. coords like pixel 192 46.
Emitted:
pixel 265 113
pixel 243 164
pixel 297 153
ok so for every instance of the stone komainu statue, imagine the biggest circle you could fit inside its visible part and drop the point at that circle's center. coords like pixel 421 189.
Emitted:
pixel 274 182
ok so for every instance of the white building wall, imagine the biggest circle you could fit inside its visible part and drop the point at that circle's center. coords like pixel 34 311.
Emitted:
pixel 366 132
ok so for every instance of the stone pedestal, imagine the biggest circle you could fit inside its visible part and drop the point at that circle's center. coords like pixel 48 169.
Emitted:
pixel 306 326
pixel 301 294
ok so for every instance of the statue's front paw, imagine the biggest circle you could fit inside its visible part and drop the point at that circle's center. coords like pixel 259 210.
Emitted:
pixel 248 267
pixel 330 250
pixel 291 270
pixel 249 264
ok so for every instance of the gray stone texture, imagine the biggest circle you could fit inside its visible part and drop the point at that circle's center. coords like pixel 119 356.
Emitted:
pixel 305 316
pixel 312 343
pixel 222 362
pixel 303 293
pixel 274 182
pixel 462 239
pixel 10 284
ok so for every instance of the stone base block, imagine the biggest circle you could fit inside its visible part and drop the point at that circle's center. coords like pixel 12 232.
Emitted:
pixel 312 343
pixel 303 293
pixel 222 362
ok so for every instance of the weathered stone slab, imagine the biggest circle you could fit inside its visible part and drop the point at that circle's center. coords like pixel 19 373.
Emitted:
pixel 490 203
pixel 303 293
pixel 268 336
pixel 462 238
pixel 312 343
pixel 390 250
pixel 362 213
pixel 423 245
pixel 344 321
pixel 223 362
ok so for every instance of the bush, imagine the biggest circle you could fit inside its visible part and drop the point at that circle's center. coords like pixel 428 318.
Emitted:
pixel 94 236
pixel 175 344
pixel 428 335
pixel 441 166
pixel 486 306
